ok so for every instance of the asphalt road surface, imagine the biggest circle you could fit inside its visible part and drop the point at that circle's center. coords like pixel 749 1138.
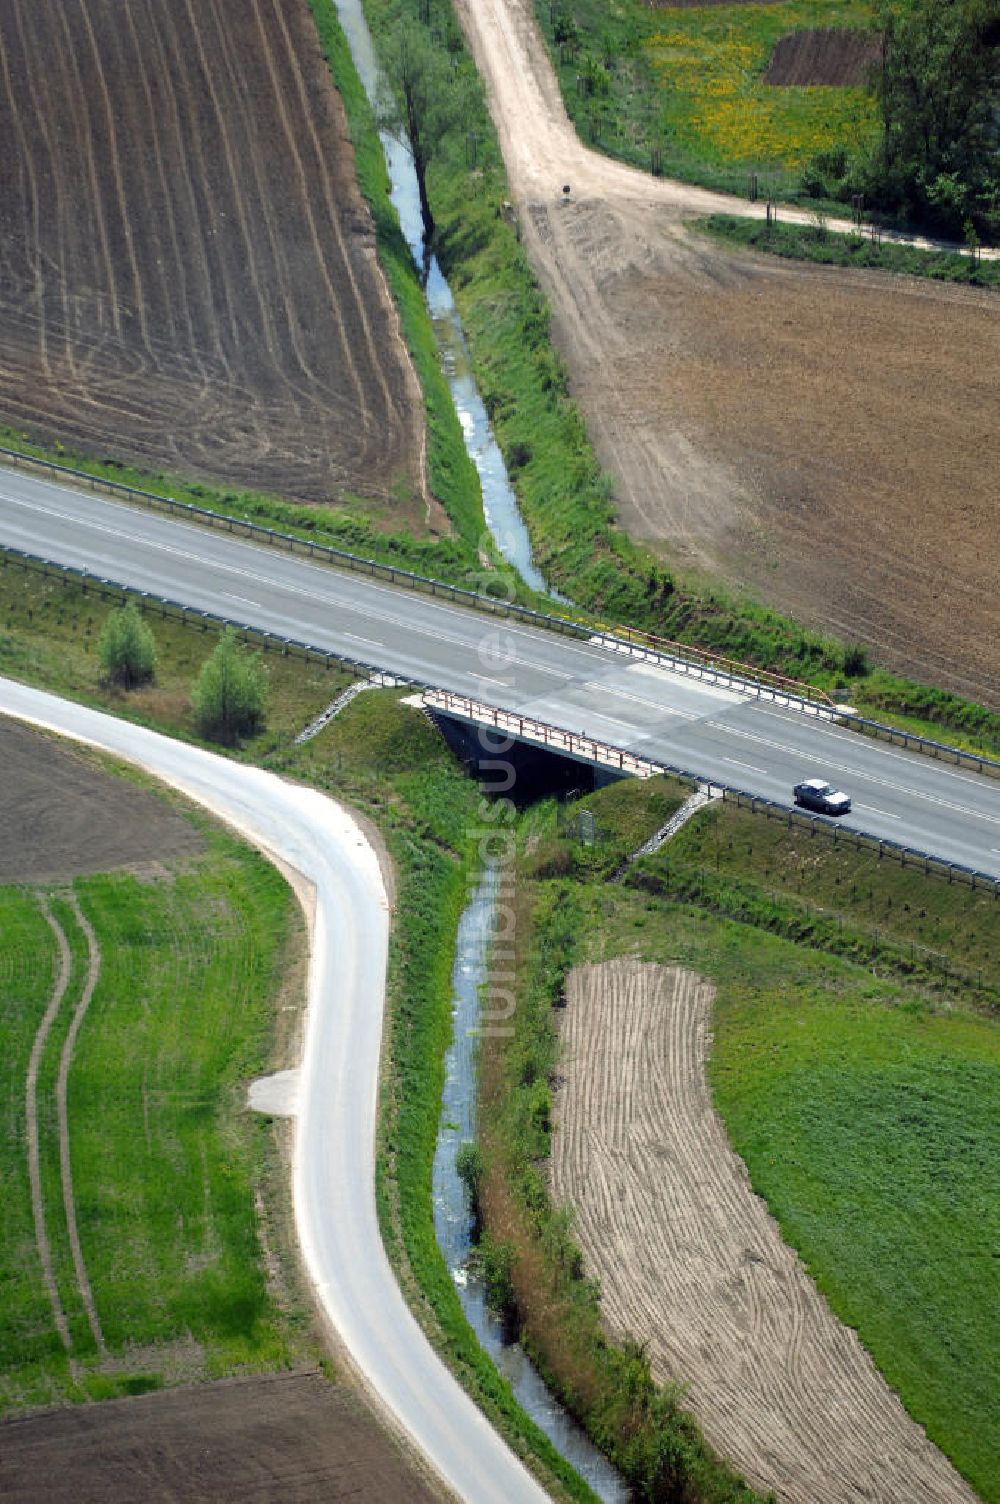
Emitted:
pixel 715 733
pixel 334 1171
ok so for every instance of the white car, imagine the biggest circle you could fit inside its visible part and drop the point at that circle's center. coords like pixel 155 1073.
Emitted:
pixel 817 795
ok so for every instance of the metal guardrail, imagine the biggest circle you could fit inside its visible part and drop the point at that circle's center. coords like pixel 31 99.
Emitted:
pixel 191 616
pixel 565 743
pixel 727 670
pixel 859 840
pixel 626 639
pixel 539 733
pixel 923 744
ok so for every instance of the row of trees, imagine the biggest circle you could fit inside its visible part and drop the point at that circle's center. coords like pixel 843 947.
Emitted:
pixel 229 694
pixel 938 158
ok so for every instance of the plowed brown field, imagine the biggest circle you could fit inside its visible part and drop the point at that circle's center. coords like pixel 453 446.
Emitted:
pixel 690 1260
pixel 61 815
pixel 822 55
pixel 188 276
pixel 288 1437
pixel 827 440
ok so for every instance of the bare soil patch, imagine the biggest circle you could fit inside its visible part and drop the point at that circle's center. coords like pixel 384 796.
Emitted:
pixel 823 55
pixel 188 275
pixel 690 1260
pixel 293 1437
pixel 62 816
pixel 826 440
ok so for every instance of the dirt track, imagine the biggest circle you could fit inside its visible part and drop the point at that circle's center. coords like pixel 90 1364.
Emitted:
pixel 690 1261
pixel 828 440
pixel 188 275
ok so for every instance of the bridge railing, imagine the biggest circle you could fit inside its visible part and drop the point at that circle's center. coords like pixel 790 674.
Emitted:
pixel 677 657
pixel 578 745
pixel 566 743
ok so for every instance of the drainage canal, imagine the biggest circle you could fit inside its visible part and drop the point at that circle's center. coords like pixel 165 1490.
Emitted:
pixel 452 1215
pixel 453 1221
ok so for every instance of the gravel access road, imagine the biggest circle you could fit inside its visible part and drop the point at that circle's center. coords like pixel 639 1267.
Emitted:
pixel 580 686
pixel 334 1163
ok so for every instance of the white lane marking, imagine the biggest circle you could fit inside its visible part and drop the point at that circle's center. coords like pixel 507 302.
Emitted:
pixel 883 814
pixel 748 765
pixel 853 772
pixel 582 650
pixel 823 728
pixel 368 642
pixel 623 694
pixel 244 600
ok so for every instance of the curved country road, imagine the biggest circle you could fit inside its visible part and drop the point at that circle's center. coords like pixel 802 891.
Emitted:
pixel 334 1169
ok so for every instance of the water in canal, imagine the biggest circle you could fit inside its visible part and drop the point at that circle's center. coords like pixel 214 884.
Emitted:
pixel 503 518
pixel 452 1215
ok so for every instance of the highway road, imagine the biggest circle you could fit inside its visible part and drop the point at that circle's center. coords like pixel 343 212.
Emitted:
pixel 583 687
pixel 334 1169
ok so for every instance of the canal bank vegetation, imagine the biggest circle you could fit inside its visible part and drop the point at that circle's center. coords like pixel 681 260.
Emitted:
pixel 567 502
pixel 861 1090
pixel 386 760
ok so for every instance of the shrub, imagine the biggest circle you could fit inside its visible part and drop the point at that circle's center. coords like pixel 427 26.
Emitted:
pixel 229 696
pixel 127 649
pixel 856 661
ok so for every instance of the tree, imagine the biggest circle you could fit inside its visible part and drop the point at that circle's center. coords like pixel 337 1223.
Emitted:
pixel 230 692
pixel 939 91
pixel 127 649
pixel 424 98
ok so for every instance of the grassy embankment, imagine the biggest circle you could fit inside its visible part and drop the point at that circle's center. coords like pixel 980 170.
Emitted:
pixel 815 243
pixel 165 1160
pixel 865 1106
pixel 452 475
pixel 385 759
pixel 566 501
pixel 689 81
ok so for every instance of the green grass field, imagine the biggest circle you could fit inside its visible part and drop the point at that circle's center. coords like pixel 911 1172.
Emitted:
pixel 689 81
pixel 165 1158
pixel 866 1107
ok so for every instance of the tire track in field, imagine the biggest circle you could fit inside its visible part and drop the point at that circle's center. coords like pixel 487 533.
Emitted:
pixel 124 215
pixel 391 412
pixel 36 169
pixel 364 412
pixel 189 276
pixel 312 384
pixel 32 236
pixel 689 1257
pixel 31 1119
pixel 66 1171
pixel 74 88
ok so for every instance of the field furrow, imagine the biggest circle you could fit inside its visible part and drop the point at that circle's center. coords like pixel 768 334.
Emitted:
pixel 690 1261
pixel 189 275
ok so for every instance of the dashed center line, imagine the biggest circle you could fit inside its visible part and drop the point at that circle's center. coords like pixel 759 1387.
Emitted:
pixel 747 765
